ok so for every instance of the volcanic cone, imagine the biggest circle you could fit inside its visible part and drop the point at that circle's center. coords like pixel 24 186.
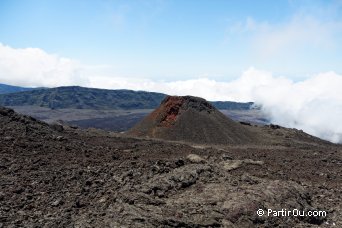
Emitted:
pixel 191 119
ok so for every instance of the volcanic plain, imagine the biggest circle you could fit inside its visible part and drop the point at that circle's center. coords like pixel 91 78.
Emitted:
pixel 60 176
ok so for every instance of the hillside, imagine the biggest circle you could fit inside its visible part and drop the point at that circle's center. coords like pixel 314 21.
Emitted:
pixel 83 98
pixel 96 99
pixel 12 89
pixel 231 105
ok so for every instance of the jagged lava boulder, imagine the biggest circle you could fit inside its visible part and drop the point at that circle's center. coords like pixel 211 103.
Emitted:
pixel 191 119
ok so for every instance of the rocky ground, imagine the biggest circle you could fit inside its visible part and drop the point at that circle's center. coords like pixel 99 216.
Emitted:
pixel 63 177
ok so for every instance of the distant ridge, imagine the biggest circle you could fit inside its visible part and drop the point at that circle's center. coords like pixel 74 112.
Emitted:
pixel 83 98
pixel 191 119
pixel 12 89
pixel 97 99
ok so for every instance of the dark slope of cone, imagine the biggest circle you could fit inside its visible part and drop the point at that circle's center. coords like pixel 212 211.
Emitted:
pixel 191 119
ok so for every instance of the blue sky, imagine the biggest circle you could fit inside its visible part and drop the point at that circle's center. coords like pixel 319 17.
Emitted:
pixel 177 39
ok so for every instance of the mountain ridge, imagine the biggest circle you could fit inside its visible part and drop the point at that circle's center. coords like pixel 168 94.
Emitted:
pixel 6 89
pixel 94 98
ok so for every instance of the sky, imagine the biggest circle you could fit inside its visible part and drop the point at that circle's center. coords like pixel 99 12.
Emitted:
pixel 285 55
pixel 176 39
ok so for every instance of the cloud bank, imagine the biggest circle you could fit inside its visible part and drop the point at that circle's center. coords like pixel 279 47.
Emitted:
pixel 305 41
pixel 35 67
pixel 313 105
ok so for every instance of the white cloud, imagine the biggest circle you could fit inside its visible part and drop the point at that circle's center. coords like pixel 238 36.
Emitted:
pixel 314 104
pixel 297 34
pixel 35 67
pixel 310 27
